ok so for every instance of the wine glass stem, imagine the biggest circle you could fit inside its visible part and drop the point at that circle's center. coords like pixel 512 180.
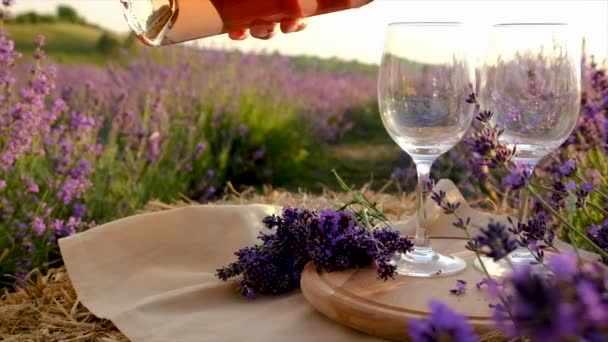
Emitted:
pixel 522 254
pixel 421 240
pixel 524 194
pixel 524 198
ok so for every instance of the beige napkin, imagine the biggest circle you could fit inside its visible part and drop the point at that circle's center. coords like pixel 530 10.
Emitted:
pixel 152 275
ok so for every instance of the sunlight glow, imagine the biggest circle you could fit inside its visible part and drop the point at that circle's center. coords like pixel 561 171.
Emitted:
pixel 359 34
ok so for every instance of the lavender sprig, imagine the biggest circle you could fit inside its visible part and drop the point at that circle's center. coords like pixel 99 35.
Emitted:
pixel 369 209
pixel 494 240
pixel 443 324
pixel 333 240
pixel 568 224
pixel 461 287
pixel 571 304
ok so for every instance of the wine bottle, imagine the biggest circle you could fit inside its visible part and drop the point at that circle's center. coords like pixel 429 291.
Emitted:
pixel 164 22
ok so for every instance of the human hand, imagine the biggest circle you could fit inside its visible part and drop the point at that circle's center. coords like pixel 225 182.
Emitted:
pixel 266 30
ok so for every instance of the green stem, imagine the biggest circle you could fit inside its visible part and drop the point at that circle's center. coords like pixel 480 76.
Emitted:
pixel 483 266
pixel 485 270
pixel 549 189
pixel 568 224
pixel 575 247
pixel 605 196
pixel 42 199
pixel 359 198
pixel 596 207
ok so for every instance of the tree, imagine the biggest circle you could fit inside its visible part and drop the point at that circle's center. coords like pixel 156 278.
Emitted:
pixel 107 44
pixel 130 43
pixel 68 14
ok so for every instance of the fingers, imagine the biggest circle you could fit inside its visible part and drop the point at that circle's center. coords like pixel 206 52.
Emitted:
pixel 240 34
pixel 263 30
pixel 293 25
pixel 266 30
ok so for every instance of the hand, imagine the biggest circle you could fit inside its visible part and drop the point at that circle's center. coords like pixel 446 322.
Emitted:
pixel 266 30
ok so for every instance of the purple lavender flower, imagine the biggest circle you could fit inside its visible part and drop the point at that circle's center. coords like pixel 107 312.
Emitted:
pixel 519 177
pixel 2 184
pixel 8 56
pixel 62 228
pixel 472 98
pixel 21 276
pixel 246 290
pixel 80 121
pixel 442 325
pixel 587 187
pixel 571 186
pixel 481 283
pixel 399 173
pixel 570 305
pixel 461 287
pixel 494 241
pixel 447 207
pixel 534 301
pixel 559 194
pixel 200 148
pixel 599 235
pixel 535 234
pixel 337 243
pixel 486 145
pixel 39 44
pixel 73 225
pixel 73 188
pixel 484 116
pixel 38 226
pixel 581 196
pixel 259 153
pixel 242 130
pixel 331 239
pixel 32 186
pixel 78 210
pixel 212 190
pixel 569 168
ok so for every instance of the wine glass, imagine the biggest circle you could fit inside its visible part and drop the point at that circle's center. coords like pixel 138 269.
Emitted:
pixel 425 77
pixel 530 80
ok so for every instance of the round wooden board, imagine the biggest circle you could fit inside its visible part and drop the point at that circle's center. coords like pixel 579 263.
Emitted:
pixel 358 299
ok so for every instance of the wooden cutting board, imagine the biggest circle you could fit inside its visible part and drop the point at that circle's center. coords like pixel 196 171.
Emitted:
pixel 358 299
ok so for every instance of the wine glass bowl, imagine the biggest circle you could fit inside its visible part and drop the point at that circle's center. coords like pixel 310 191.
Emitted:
pixel 422 103
pixel 530 80
pixel 424 79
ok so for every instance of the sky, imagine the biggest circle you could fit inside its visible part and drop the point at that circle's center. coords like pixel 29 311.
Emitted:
pixel 359 34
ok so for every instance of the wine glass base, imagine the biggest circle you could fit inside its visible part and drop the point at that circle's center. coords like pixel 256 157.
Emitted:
pixel 424 262
pixel 502 268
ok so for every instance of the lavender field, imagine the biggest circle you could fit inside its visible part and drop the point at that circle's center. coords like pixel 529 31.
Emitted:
pixel 83 144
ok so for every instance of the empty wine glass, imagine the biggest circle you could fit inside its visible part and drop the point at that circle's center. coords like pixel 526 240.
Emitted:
pixel 530 80
pixel 425 78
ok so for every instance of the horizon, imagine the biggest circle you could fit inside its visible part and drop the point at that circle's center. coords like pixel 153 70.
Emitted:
pixel 342 35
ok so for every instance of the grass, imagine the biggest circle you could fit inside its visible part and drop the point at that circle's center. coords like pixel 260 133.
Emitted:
pixel 65 42
pixel 366 155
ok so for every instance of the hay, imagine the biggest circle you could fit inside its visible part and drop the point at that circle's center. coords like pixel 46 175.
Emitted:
pixel 47 308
